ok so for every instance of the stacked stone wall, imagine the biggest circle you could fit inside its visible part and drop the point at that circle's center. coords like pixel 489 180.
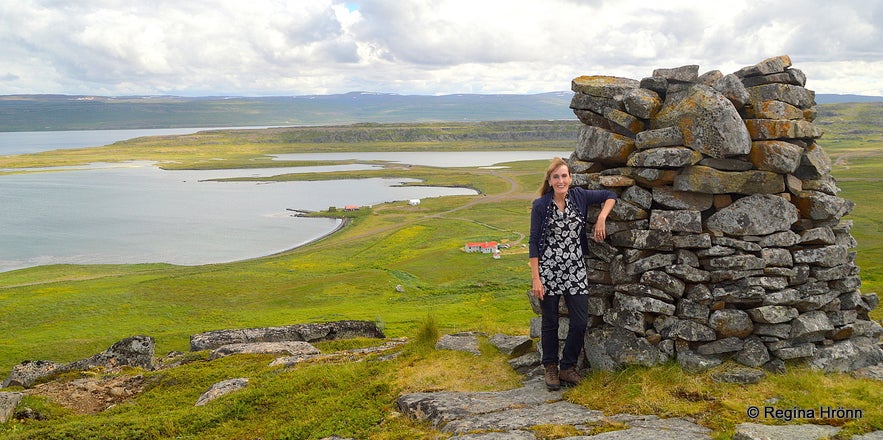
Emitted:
pixel 728 240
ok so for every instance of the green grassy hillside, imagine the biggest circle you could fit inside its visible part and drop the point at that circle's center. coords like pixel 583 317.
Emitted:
pixel 64 313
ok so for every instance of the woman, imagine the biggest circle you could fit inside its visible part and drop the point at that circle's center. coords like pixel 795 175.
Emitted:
pixel 558 244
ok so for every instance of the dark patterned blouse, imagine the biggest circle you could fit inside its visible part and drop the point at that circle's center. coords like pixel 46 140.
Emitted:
pixel 562 268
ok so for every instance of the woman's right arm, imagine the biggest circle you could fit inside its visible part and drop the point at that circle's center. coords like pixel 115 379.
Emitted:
pixel 536 220
pixel 536 286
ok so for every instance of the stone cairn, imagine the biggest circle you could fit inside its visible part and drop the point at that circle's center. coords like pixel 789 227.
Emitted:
pixel 727 241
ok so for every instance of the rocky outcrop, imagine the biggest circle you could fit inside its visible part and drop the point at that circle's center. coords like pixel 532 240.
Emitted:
pixel 513 413
pixel 464 341
pixel 289 348
pixel 297 332
pixel 755 431
pixel 222 388
pixel 8 402
pixel 136 351
pixel 728 240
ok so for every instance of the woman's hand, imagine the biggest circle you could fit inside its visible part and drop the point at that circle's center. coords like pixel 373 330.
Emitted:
pixel 538 290
pixel 600 232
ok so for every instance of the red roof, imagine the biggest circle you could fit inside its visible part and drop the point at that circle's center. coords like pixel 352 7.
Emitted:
pixel 482 244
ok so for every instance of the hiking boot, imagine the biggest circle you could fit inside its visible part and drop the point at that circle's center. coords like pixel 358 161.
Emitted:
pixel 552 382
pixel 569 377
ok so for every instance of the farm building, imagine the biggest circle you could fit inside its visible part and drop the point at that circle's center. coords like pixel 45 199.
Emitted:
pixel 485 247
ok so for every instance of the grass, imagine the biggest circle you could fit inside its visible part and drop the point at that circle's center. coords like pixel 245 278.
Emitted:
pixel 64 313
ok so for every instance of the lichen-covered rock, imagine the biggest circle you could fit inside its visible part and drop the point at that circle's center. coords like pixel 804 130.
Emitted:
pixel 708 121
pixel 612 349
pixel 759 214
pixel 511 345
pixel 297 332
pixel 289 348
pixel 27 373
pixel 676 221
pixel 768 66
pixel 642 103
pixel 135 351
pixel 664 157
pixel 598 145
pixel 708 180
pixel 669 198
pixel 660 137
pixel 791 94
pixel 603 86
pixel 772 314
pixel 776 156
pixel 222 388
pixel 465 341
pixel 754 353
pixel 731 323
pixel 817 205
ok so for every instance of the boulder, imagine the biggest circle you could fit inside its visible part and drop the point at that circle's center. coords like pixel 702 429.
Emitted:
pixel 297 332
pixel 758 214
pixel 755 431
pixel 708 180
pixel 603 86
pixel 222 388
pixel 776 156
pixel 613 348
pixel 289 348
pixel 598 145
pixel 8 402
pixel 512 346
pixel 510 412
pixel 754 353
pixel 642 103
pixel 731 323
pixel 667 197
pixel 136 351
pixel 687 330
pixel 464 341
pixel 848 355
pixel 27 373
pixel 664 157
pixel 708 121
pixel 772 314
pixel 660 137
pixel 676 221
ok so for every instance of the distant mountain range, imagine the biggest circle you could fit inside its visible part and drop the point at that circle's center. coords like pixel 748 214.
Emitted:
pixel 73 112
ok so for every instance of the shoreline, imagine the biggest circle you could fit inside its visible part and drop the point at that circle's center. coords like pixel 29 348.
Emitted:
pixel 343 223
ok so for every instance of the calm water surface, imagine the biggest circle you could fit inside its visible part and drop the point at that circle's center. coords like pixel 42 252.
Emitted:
pixel 23 142
pixel 137 213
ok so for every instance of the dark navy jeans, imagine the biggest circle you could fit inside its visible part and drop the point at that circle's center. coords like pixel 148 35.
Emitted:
pixel 578 312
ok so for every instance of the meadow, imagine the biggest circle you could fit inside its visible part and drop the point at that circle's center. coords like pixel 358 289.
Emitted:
pixel 64 313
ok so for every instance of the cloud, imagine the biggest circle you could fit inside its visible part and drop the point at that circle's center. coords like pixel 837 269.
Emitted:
pixel 278 47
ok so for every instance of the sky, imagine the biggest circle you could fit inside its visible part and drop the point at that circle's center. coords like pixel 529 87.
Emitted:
pixel 420 47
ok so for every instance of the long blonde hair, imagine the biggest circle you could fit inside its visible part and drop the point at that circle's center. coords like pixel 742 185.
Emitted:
pixel 553 165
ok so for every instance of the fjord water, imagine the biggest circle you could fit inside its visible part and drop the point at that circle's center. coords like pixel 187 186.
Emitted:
pixel 138 213
pixel 24 142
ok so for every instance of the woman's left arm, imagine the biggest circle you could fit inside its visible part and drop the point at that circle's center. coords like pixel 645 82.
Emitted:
pixel 600 232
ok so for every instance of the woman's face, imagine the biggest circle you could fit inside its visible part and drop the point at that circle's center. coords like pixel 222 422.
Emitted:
pixel 559 180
